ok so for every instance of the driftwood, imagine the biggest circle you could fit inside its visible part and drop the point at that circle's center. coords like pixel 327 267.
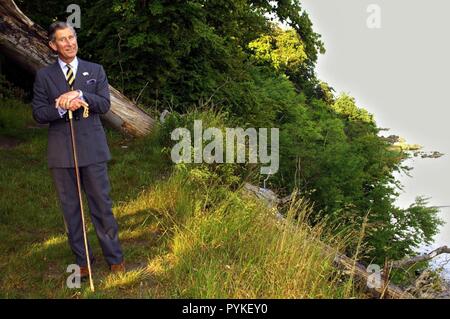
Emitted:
pixel 25 43
pixel 383 289
pixel 411 261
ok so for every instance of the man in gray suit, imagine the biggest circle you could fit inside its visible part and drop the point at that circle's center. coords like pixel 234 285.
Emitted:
pixel 67 85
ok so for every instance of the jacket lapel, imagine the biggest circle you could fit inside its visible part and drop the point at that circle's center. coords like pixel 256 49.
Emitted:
pixel 58 78
pixel 80 78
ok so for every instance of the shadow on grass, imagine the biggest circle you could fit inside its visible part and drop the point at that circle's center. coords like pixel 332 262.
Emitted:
pixel 39 270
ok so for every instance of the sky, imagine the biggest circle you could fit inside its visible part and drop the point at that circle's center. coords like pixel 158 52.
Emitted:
pixel 400 72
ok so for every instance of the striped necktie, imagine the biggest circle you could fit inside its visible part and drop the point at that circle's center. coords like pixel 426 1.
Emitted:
pixel 70 76
pixel 70 80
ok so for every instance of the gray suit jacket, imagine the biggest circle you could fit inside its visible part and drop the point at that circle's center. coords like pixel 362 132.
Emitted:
pixel 92 146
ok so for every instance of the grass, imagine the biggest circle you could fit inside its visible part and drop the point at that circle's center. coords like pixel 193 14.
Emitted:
pixel 184 234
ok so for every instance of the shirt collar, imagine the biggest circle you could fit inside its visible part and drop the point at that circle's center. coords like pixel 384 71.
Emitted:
pixel 73 64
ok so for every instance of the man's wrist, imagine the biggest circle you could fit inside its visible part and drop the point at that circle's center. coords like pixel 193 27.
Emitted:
pixel 80 95
pixel 61 111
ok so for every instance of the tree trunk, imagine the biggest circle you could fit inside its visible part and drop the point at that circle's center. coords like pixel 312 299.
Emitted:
pixel 25 42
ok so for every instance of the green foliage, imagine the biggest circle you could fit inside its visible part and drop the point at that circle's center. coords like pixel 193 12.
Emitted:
pixel 171 46
pixel 283 50
pixel 179 52
pixel 228 174
pixel 412 227
pixel 51 10
pixel 345 106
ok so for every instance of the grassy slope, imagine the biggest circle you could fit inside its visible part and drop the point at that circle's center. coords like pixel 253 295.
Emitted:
pixel 183 235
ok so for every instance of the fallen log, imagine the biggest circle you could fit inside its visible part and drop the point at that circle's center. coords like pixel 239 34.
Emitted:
pixel 25 43
pixel 425 257
pixel 383 289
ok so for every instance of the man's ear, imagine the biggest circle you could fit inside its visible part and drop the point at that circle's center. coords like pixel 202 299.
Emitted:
pixel 53 46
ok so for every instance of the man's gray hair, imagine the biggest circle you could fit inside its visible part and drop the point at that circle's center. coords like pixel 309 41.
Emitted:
pixel 58 25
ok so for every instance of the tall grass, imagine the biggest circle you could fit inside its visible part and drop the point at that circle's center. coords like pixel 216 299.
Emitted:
pixel 237 248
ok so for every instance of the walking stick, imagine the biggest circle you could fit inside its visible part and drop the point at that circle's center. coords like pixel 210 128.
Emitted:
pixel 77 173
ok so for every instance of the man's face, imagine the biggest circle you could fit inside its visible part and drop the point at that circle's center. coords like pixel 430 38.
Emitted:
pixel 65 44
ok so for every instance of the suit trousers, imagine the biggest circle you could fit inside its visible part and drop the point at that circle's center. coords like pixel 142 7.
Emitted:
pixel 95 184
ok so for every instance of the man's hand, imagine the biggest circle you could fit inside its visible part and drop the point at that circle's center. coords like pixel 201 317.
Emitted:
pixel 76 103
pixel 64 101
